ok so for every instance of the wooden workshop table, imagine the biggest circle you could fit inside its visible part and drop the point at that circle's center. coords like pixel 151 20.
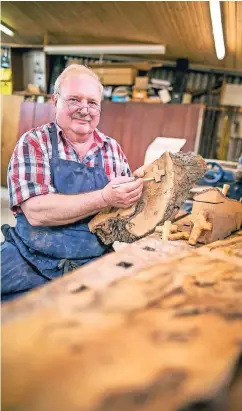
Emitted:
pixel 153 326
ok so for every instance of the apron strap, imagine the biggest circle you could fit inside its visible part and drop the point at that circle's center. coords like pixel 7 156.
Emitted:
pixel 5 231
pixel 99 158
pixel 54 141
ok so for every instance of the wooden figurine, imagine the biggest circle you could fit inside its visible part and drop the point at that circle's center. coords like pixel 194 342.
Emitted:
pixel 174 175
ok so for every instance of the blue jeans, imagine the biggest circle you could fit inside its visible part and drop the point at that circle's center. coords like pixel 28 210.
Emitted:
pixel 17 275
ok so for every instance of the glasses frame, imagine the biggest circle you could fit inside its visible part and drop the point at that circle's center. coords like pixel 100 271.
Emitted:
pixel 90 109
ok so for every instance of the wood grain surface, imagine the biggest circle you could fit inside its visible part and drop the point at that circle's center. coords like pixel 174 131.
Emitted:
pixel 158 327
pixel 184 27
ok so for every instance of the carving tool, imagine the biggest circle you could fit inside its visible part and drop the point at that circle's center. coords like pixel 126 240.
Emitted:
pixel 127 182
pixel 159 173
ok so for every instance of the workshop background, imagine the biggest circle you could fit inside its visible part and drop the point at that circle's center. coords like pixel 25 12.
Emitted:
pixel 166 70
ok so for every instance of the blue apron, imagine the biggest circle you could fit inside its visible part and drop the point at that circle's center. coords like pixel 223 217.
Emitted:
pixel 45 253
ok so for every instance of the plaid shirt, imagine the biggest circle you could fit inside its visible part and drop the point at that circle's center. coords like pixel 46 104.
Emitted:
pixel 29 168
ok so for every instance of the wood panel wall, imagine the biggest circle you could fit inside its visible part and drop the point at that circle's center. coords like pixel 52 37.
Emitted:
pixel 133 125
pixel 136 125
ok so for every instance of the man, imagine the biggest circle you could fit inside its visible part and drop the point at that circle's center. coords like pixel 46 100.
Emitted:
pixel 59 176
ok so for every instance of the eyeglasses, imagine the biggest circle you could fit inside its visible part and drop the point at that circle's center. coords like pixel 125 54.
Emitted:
pixel 73 104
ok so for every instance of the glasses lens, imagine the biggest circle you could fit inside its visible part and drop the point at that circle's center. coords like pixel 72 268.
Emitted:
pixel 90 109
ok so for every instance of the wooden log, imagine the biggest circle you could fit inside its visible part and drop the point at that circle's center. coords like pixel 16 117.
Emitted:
pixel 223 213
pixel 160 201
pixel 231 246
pixel 173 327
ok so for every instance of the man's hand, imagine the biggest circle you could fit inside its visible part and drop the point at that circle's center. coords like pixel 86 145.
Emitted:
pixel 140 172
pixel 124 196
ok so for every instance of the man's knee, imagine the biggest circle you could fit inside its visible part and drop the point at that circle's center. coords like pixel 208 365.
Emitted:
pixel 17 275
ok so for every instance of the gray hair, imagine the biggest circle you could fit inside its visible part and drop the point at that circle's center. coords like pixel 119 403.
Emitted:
pixel 75 69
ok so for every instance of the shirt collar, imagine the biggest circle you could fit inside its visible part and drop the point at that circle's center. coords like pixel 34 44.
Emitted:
pixel 99 137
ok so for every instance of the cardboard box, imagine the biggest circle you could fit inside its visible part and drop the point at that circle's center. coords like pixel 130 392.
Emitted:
pixel 187 98
pixel 164 95
pixel 141 83
pixel 5 74
pixel 139 94
pixel 115 76
pixel 231 95
pixel 151 100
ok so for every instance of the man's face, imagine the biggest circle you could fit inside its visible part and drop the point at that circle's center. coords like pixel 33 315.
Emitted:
pixel 78 105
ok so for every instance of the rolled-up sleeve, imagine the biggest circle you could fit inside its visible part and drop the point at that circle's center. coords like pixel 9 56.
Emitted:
pixel 28 171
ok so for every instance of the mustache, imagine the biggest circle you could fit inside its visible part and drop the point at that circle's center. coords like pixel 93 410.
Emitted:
pixel 81 117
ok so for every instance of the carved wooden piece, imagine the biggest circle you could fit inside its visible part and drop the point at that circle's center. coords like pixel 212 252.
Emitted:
pixel 160 200
pixel 173 228
pixel 182 235
pixel 162 339
pixel 225 189
pixel 214 216
pixel 224 214
pixel 200 224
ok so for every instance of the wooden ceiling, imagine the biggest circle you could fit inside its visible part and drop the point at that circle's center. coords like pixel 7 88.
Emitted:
pixel 183 26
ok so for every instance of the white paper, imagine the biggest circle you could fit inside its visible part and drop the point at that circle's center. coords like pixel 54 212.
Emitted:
pixel 162 144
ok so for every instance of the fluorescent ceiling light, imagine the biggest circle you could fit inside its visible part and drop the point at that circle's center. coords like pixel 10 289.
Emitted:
pixel 106 49
pixel 6 30
pixel 215 13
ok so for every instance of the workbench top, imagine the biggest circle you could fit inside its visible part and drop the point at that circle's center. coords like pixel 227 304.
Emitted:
pixel 128 331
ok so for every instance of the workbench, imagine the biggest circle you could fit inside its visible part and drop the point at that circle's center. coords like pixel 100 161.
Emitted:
pixel 154 326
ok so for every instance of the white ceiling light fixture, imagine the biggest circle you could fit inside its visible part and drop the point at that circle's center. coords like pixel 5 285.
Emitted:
pixel 106 49
pixel 6 30
pixel 215 13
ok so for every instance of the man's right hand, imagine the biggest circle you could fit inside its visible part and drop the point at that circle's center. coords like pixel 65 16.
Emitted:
pixel 124 196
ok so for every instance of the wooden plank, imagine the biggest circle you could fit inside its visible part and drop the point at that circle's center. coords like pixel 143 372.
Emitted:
pixel 26 117
pixel 169 325
pixel 10 115
pixel 44 113
pixel 129 260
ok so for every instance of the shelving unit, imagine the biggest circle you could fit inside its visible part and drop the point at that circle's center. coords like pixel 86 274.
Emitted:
pixel 202 85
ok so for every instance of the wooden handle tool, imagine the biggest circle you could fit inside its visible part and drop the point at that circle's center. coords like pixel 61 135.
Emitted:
pixel 127 182
pixel 158 174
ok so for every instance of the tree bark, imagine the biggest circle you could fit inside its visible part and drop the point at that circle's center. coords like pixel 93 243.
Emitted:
pixel 160 201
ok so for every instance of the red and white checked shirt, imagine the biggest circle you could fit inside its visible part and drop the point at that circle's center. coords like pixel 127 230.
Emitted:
pixel 29 168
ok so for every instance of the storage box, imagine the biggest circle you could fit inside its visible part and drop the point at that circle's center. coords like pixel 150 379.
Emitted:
pixel 187 98
pixel 164 95
pixel 151 100
pixel 231 95
pixel 115 76
pixel 5 74
pixel 6 87
pixel 34 69
pixel 120 99
pixel 139 94
pixel 141 83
